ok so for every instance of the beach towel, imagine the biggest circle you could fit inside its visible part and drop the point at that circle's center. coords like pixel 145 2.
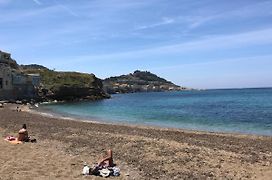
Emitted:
pixel 12 140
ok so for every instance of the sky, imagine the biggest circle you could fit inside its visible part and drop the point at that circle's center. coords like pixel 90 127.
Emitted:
pixel 199 44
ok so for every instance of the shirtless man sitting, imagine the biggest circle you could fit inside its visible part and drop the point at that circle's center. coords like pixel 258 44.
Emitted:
pixel 107 161
pixel 103 163
pixel 23 134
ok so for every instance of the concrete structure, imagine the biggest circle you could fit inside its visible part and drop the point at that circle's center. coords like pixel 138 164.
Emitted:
pixel 35 79
pixel 14 84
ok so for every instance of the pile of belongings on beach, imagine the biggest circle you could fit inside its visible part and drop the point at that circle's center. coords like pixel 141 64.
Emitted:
pixel 14 140
pixel 100 170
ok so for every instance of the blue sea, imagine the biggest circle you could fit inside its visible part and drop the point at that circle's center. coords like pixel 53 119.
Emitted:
pixel 246 111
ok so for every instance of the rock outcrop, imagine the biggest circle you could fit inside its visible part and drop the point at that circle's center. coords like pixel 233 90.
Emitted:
pixel 65 86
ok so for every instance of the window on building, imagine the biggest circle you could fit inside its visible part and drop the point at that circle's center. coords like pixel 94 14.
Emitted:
pixel 1 83
pixel 6 83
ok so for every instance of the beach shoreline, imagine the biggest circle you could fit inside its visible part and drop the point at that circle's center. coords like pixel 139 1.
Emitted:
pixel 50 114
pixel 170 153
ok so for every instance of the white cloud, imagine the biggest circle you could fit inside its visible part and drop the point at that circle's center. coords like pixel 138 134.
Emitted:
pixel 252 38
pixel 193 21
pixel 216 61
pixel 69 10
pixel 253 10
pixel 164 21
pixel 23 14
pixel 37 2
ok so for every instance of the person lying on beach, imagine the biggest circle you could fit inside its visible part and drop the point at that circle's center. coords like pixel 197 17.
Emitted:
pixel 105 162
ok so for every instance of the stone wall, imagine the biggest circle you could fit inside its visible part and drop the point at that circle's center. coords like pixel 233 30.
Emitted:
pixel 6 77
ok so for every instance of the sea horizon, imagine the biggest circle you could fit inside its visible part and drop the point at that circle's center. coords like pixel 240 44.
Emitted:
pixel 228 88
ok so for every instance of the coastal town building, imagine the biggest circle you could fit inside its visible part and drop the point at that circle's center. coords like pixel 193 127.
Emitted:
pixel 14 84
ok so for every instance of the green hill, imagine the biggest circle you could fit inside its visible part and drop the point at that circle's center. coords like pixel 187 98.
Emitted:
pixel 139 81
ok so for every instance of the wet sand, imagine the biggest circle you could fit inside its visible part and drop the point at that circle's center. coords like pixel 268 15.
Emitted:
pixel 140 152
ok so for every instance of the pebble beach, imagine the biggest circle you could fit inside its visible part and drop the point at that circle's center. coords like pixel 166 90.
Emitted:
pixel 63 146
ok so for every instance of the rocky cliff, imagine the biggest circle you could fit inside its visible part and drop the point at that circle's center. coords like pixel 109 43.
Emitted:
pixel 66 85
pixel 139 81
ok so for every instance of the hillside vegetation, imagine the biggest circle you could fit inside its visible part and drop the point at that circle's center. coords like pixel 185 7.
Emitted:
pixel 53 79
pixel 67 85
